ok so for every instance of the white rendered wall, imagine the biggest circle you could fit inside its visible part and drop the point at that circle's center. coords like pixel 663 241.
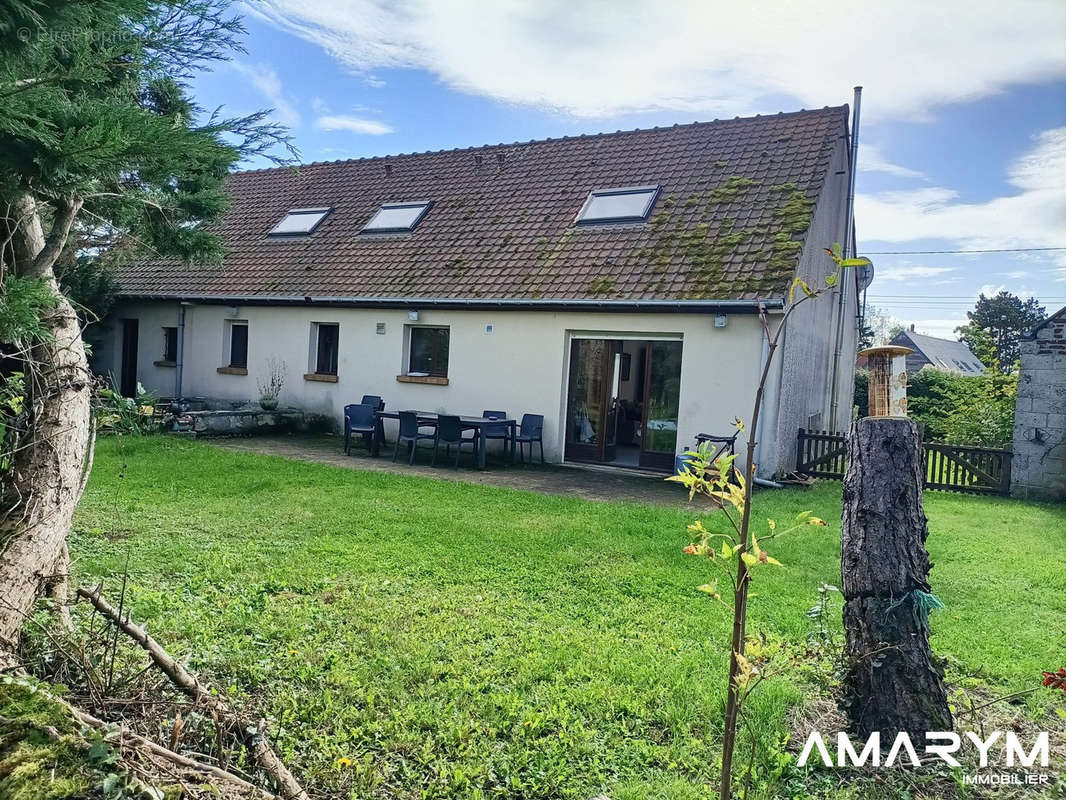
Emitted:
pixel 520 366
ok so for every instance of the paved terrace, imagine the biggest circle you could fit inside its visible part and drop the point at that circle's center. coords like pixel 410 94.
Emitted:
pixel 592 483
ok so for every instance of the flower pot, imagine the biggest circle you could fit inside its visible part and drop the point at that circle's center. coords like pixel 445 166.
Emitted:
pixel 268 403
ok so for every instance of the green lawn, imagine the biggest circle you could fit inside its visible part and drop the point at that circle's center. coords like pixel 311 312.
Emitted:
pixel 465 641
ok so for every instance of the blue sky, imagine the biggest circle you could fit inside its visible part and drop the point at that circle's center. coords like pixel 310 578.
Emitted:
pixel 963 136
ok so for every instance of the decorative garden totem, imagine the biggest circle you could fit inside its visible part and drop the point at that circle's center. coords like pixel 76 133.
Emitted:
pixel 891 683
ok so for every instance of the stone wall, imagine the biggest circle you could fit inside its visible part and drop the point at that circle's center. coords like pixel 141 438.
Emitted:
pixel 1038 469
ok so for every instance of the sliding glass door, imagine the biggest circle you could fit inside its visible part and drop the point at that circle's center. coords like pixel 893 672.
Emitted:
pixel 662 394
pixel 622 403
pixel 592 399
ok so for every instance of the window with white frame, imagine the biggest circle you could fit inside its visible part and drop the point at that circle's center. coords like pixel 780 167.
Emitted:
pixel 325 347
pixel 427 353
pixel 235 344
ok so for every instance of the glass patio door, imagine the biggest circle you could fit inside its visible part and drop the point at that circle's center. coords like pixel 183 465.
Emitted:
pixel 592 400
pixel 662 394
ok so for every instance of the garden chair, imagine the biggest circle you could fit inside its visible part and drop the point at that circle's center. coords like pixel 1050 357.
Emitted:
pixel 373 400
pixel 449 432
pixel 410 432
pixel 497 431
pixel 379 405
pixel 531 430
pixel 360 419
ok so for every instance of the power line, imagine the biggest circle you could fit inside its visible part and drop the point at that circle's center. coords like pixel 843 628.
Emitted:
pixel 947 252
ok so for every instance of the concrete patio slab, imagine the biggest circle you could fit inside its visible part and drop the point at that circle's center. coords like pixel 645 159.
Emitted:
pixel 590 483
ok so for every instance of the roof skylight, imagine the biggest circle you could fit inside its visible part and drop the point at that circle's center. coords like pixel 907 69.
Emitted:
pixel 397 217
pixel 629 204
pixel 299 222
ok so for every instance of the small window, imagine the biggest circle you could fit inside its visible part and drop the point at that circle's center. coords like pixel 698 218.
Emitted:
pixel 170 344
pixel 300 222
pixel 618 205
pixel 429 352
pixel 238 344
pixel 397 217
pixel 327 341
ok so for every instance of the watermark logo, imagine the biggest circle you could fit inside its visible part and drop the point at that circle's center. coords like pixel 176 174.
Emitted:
pixel 943 745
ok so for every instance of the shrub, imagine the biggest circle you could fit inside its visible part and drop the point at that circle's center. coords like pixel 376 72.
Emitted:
pixel 961 409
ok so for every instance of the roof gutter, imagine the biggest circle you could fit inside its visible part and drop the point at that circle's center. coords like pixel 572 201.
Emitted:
pixel 501 304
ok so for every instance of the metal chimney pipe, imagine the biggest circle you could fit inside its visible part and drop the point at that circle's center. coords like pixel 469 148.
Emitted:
pixel 849 234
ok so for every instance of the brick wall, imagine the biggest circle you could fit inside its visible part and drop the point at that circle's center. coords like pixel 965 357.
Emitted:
pixel 1039 466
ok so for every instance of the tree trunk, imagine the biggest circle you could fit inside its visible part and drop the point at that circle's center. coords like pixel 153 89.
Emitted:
pixel 46 477
pixel 891 684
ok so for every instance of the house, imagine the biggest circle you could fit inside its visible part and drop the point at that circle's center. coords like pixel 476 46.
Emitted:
pixel 1038 467
pixel 611 282
pixel 946 355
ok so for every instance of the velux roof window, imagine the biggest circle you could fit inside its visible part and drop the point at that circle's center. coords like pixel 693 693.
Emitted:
pixel 630 204
pixel 299 222
pixel 397 217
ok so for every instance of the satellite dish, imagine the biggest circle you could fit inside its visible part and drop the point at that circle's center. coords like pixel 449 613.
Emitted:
pixel 865 274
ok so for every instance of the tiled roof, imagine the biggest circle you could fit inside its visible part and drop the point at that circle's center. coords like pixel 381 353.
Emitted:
pixel 943 354
pixel 737 197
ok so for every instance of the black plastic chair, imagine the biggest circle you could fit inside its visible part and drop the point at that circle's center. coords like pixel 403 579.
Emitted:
pixel 379 405
pixel 449 432
pixel 410 432
pixel 531 430
pixel 373 400
pixel 360 419
pixel 497 431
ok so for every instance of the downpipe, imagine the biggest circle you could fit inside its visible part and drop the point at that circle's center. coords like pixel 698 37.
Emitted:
pixel 849 252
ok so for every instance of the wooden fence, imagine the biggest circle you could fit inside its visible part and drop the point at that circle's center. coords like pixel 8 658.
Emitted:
pixel 953 467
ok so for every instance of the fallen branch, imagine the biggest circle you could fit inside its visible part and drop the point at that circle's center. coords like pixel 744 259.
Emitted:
pixel 140 742
pixel 251 733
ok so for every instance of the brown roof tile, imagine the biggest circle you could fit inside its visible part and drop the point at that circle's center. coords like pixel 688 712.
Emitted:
pixel 737 196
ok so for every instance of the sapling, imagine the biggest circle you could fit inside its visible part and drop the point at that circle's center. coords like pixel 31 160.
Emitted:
pixel 737 552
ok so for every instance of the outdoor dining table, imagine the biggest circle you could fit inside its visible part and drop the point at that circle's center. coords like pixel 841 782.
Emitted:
pixel 468 423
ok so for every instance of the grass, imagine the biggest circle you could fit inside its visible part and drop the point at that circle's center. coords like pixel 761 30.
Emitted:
pixel 455 640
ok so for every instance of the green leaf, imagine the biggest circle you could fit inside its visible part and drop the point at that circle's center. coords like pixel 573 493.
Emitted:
pixel 727 551
pixel 856 262
pixel 749 559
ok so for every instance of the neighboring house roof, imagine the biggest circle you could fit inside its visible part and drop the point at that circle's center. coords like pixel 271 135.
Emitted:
pixel 943 354
pixel 737 198
pixel 1058 315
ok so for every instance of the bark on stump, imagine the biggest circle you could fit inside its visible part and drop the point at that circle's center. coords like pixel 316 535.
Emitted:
pixel 891 684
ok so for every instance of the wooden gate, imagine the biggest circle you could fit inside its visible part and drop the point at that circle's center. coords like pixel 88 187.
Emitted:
pixel 952 467
pixel 820 454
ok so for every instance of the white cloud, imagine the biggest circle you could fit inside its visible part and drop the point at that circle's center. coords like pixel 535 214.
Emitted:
pixel 991 290
pixel 343 122
pixel 604 57
pixel 1034 216
pixel 943 328
pixel 908 272
pixel 267 82
pixel 872 160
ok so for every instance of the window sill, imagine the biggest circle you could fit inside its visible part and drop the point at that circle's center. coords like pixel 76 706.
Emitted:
pixel 319 377
pixel 165 363
pixel 434 380
pixel 232 370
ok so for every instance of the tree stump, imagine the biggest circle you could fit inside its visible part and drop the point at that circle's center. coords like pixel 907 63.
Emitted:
pixel 891 683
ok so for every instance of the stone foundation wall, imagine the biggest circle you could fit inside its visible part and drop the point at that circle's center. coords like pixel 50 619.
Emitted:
pixel 245 421
pixel 1038 469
